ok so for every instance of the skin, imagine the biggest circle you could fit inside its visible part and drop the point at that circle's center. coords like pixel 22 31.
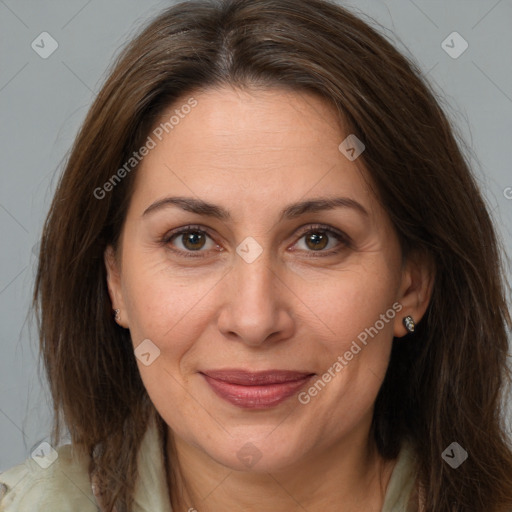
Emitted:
pixel 254 152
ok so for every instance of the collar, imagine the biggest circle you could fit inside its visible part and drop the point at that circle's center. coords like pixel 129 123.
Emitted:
pixel 151 491
pixel 400 494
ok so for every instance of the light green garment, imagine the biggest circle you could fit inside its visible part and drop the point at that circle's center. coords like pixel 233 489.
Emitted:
pixel 401 484
pixel 64 486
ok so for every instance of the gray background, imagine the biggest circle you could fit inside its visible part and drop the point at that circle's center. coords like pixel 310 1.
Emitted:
pixel 43 102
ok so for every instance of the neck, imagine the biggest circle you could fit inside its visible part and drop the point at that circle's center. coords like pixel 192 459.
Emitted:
pixel 347 477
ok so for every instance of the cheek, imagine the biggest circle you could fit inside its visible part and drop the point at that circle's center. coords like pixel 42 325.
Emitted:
pixel 169 310
pixel 357 317
pixel 156 306
pixel 164 305
pixel 350 301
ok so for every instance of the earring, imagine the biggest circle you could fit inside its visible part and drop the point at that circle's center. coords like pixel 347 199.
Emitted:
pixel 409 323
pixel 116 316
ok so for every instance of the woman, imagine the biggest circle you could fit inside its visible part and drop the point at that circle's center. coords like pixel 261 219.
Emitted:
pixel 268 281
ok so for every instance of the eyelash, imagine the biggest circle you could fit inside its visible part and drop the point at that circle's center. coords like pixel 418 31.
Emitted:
pixel 313 228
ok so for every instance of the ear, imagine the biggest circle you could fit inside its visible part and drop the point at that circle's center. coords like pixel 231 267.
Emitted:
pixel 415 291
pixel 114 284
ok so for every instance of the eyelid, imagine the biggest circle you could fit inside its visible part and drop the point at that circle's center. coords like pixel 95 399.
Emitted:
pixel 343 239
pixel 166 239
pixel 327 229
pixel 185 229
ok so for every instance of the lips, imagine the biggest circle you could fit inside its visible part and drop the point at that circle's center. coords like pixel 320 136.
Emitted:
pixel 255 390
pixel 245 378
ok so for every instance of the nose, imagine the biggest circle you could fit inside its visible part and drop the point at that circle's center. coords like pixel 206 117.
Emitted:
pixel 256 303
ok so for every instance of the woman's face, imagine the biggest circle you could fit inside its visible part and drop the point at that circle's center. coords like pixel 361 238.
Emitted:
pixel 265 279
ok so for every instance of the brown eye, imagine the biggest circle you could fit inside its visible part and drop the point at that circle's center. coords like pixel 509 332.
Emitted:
pixel 317 240
pixel 193 240
pixel 321 240
pixel 189 241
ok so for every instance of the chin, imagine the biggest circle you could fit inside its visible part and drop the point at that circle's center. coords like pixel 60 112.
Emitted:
pixel 256 456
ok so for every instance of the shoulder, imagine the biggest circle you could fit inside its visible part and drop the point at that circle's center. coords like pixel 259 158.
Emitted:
pixel 56 480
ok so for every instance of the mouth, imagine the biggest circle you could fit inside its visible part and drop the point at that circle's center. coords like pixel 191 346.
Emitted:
pixel 255 390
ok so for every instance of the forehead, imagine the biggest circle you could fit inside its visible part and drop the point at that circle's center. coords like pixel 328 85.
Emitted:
pixel 249 148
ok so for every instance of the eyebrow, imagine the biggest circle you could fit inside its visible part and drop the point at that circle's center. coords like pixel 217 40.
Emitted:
pixel 291 211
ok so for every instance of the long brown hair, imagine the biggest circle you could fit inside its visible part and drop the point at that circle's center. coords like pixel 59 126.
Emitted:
pixel 445 384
